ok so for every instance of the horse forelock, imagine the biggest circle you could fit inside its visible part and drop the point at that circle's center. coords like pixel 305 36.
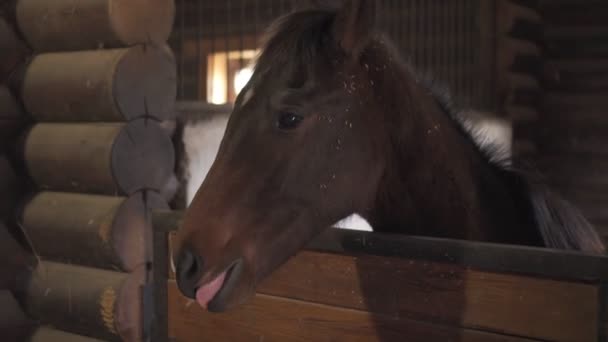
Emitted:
pixel 294 39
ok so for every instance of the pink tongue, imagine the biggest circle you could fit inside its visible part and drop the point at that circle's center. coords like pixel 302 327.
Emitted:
pixel 205 293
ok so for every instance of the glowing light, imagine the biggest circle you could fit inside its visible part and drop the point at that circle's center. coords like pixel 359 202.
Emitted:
pixel 241 78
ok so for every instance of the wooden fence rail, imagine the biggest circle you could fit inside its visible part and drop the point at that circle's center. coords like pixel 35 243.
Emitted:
pixel 359 286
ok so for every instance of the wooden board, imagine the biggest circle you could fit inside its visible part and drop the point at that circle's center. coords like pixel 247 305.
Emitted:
pixel 99 231
pixel 511 291
pixel 442 293
pixel 268 318
pixel 61 25
pixel 98 303
pixel 102 158
pixel 102 85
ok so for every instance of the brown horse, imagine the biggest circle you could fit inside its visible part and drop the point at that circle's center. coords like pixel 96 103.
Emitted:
pixel 334 123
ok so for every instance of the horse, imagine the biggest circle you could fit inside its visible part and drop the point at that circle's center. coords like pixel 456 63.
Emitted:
pixel 334 122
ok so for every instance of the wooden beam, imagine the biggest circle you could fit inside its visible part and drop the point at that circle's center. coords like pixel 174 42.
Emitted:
pixel 102 85
pixel 98 231
pixel 102 158
pixel 62 25
pixel 101 304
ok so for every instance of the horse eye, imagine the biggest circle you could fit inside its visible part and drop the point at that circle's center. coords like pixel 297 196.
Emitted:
pixel 289 120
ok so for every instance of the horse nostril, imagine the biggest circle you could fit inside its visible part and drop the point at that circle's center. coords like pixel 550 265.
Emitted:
pixel 189 270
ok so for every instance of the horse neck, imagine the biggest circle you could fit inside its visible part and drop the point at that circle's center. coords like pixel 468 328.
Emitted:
pixel 437 182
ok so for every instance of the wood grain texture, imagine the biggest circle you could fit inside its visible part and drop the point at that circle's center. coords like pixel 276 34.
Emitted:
pixel 100 231
pixel 101 304
pixel 433 292
pixel 268 318
pixel 102 158
pixel 102 85
pixel 61 25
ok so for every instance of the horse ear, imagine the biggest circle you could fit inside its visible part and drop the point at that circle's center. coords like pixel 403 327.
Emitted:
pixel 354 24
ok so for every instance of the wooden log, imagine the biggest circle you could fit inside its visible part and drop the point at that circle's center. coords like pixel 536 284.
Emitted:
pixel 10 191
pixel 98 231
pixel 14 324
pixel 102 158
pixel 9 107
pixel 12 50
pixel 102 85
pixel 97 303
pixel 12 119
pixel 516 20
pixel 16 262
pixel 47 334
pixel 62 25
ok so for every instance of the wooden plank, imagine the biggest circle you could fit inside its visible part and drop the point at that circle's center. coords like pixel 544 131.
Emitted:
pixel 62 25
pixel 98 303
pixel 268 318
pixel 102 158
pixel 99 231
pixel 102 85
pixel 449 294
pixel 584 272
pixel 47 334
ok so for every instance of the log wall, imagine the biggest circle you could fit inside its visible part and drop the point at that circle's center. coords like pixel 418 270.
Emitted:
pixel 569 128
pixel 85 92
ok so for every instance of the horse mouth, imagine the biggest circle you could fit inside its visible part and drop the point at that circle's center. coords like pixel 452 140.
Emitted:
pixel 213 294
